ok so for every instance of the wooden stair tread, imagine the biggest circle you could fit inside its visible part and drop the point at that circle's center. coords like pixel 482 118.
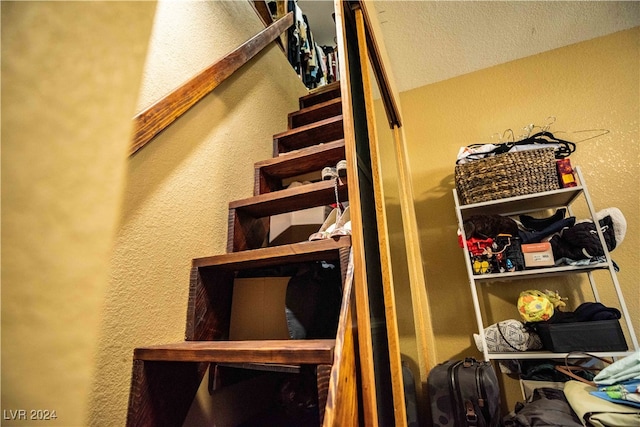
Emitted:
pixel 318 132
pixel 320 94
pixel 305 128
pixel 313 113
pixel 255 351
pixel 268 367
pixel 324 88
pixel 318 106
pixel 291 199
pixel 320 250
pixel 304 160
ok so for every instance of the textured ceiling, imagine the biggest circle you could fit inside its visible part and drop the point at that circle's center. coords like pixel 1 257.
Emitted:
pixel 322 24
pixel 430 41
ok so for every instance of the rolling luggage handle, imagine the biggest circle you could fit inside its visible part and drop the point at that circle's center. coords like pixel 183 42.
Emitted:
pixel 469 362
pixel 471 416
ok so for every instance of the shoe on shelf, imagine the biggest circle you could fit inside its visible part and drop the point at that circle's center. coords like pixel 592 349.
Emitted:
pixel 295 184
pixel 327 227
pixel 329 173
pixel 343 225
pixel 339 171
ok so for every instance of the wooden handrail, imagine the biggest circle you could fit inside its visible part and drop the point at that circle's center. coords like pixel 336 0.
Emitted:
pixel 390 106
pixel 156 118
pixel 262 10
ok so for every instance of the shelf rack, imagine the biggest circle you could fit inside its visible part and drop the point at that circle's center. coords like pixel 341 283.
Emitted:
pixel 510 206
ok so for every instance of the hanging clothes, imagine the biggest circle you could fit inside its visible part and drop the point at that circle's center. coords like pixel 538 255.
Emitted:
pixel 315 65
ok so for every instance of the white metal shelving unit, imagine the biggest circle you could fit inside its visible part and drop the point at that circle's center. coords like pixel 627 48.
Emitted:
pixel 526 204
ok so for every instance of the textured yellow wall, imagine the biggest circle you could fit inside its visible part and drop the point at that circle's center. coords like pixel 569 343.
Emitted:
pixel 70 77
pixel 590 85
pixel 175 205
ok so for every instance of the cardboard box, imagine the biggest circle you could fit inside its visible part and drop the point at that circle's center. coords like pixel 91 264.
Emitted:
pixel 537 255
pixel 257 309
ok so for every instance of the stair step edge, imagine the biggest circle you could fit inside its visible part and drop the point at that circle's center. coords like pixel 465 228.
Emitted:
pixel 290 199
pixel 289 156
pixel 276 255
pixel 258 351
pixel 315 107
pixel 325 88
pixel 308 127
pixel 320 92
pixel 270 173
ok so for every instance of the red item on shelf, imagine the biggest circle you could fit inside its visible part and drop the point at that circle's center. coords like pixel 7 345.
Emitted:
pixel 565 173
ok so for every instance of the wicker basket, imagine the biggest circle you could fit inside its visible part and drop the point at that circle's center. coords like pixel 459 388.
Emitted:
pixel 507 175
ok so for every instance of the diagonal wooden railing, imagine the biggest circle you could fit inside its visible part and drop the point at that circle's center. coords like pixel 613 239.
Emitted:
pixel 156 118
pixel 382 385
pixel 388 99
pixel 424 329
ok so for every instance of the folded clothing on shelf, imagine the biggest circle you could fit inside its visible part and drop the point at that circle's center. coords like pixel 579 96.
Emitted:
pixel 581 241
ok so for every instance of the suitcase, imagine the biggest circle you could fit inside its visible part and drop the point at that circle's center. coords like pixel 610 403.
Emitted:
pixel 410 399
pixel 464 393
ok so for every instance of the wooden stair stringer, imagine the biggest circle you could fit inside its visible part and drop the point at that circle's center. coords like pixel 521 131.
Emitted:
pixel 343 395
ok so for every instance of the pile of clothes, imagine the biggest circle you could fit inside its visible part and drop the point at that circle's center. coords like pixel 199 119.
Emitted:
pixel 610 398
pixel 573 242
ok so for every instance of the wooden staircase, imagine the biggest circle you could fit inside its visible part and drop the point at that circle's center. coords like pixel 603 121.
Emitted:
pixel 165 378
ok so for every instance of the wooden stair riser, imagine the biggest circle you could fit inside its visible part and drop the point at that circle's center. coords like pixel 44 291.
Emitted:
pixel 320 95
pixel 315 113
pixel 292 199
pixel 323 377
pixel 265 183
pixel 249 218
pixel 306 136
pixel 270 173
